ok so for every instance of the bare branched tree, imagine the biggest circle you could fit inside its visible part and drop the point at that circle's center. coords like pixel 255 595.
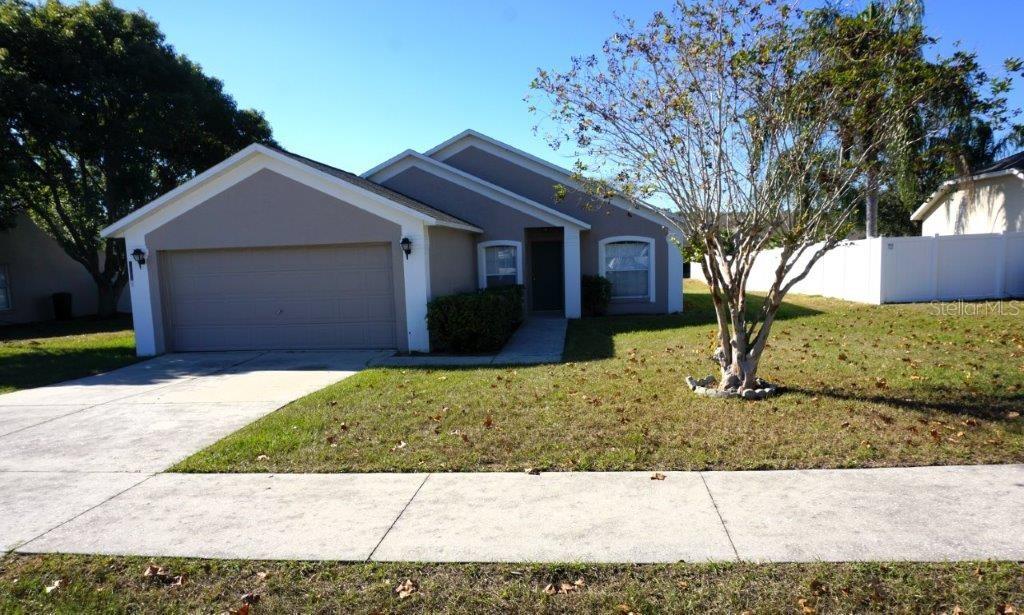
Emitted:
pixel 723 110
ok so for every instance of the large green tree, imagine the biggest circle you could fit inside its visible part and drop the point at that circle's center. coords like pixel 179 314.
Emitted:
pixel 880 54
pixel 100 115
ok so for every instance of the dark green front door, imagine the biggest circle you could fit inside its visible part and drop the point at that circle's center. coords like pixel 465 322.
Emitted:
pixel 546 275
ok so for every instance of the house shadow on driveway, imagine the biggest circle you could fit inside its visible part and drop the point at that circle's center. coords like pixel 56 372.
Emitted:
pixel 593 339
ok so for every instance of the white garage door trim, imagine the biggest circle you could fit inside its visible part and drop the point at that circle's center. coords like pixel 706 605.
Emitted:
pixel 288 298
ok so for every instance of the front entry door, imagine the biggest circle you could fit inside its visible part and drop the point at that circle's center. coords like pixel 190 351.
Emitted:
pixel 546 277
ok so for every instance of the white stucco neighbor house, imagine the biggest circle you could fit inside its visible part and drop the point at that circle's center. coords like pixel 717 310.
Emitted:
pixel 991 200
pixel 272 250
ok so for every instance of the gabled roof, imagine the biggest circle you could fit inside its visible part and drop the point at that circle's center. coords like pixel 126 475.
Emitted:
pixel 399 163
pixel 1011 166
pixel 400 202
pixel 470 137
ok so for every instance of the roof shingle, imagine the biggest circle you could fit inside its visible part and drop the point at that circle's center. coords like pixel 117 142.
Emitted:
pixel 376 188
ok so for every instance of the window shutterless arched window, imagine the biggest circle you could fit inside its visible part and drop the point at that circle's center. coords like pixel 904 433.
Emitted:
pixel 499 263
pixel 628 263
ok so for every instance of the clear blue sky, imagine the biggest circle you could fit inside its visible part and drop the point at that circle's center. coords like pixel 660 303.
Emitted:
pixel 351 83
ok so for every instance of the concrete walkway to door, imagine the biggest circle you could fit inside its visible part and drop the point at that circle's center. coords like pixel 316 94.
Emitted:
pixel 69 447
pixel 541 339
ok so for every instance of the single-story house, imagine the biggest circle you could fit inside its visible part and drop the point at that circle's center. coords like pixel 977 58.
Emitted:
pixel 272 250
pixel 991 200
pixel 33 267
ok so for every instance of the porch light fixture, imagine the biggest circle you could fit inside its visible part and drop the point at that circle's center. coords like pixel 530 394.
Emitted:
pixel 139 256
pixel 406 244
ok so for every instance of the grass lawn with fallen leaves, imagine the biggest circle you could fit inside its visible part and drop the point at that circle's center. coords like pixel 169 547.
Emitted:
pixel 99 584
pixel 38 354
pixel 866 386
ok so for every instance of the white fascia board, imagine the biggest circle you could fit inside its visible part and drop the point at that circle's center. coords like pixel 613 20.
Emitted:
pixel 926 208
pixel 472 138
pixel 409 159
pixel 257 157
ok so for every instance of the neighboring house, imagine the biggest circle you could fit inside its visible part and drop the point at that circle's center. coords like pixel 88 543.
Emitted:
pixel 269 249
pixel 32 267
pixel 990 201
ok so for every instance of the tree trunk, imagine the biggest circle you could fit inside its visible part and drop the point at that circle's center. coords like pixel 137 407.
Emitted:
pixel 871 204
pixel 108 296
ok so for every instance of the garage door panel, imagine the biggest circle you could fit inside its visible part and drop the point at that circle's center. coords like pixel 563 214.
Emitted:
pixel 280 298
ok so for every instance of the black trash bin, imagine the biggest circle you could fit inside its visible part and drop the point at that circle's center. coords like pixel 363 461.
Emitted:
pixel 62 306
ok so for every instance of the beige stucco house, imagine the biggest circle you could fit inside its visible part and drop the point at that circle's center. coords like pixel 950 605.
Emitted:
pixel 990 201
pixel 273 250
pixel 33 267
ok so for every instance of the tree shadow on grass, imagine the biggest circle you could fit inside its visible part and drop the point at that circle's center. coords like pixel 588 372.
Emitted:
pixel 955 402
pixel 61 328
pixel 39 368
pixel 591 339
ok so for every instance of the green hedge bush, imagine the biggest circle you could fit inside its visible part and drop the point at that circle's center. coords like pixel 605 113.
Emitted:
pixel 597 293
pixel 480 321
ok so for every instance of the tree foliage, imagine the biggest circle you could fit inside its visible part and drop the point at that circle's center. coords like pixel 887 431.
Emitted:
pixel 881 52
pixel 727 110
pixel 100 115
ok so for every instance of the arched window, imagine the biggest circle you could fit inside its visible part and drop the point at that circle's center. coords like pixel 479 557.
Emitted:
pixel 628 263
pixel 499 263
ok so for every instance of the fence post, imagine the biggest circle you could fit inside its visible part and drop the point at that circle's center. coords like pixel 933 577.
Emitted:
pixel 1001 267
pixel 935 267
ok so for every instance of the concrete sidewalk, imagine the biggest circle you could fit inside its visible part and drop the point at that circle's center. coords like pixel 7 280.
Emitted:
pixel 923 514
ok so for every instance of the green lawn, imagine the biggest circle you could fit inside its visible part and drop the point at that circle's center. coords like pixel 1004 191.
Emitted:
pixel 867 386
pixel 43 353
pixel 95 584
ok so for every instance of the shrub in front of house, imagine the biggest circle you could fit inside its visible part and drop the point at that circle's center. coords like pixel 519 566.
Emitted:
pixel 596 294
pixel 475 322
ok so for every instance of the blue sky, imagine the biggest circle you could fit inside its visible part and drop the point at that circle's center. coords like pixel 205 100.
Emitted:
pixel 353 83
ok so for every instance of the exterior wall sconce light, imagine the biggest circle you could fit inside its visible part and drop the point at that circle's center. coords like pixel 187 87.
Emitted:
pixel 139 256
pixel 406 244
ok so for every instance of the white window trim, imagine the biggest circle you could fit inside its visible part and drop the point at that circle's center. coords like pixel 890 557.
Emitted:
pixel 481 259
pixel 7 291
pixel 601 247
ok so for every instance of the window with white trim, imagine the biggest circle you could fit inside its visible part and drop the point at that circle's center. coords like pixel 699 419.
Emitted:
pixel 500 263
pixel 5 288
pixel 628 263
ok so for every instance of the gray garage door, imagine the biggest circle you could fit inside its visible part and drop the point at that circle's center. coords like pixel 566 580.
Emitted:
pixel 279 298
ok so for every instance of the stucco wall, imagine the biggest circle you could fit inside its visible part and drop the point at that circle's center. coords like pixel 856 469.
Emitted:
pixel 988 206
pixel 605 221
pixel 268 210
pixel 452 261
pixel 39 267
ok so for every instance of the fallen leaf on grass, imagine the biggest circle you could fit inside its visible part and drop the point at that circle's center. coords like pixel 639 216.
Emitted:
pixel 406 588
pixel 250 598
pixel 401 444
pixel 52 587
pixel 262 457
pixel 805 607
pixel 488 421
pixel 533 471
pixel 658 476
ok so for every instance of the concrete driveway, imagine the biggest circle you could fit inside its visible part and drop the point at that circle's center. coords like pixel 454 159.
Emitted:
pixel 67 448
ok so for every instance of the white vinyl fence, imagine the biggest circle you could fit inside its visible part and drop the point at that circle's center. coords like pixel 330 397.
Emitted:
pixel 907 269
